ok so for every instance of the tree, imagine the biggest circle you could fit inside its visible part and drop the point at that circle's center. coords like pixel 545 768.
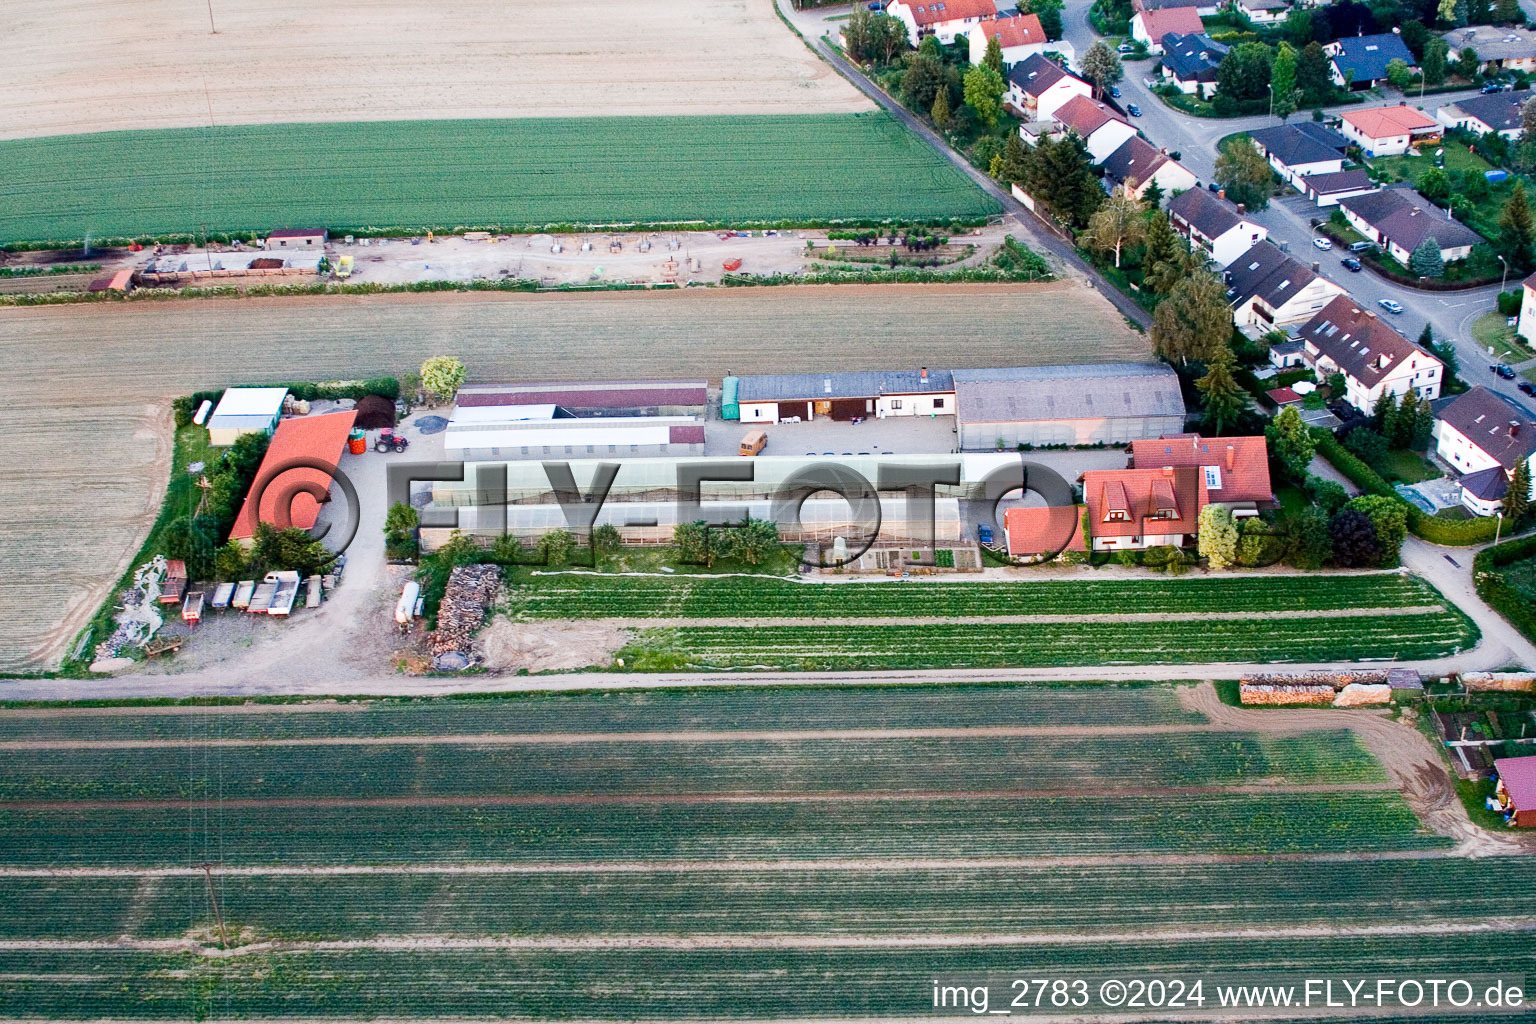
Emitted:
pixel 442 376
pixel 1354 540
pixel 1102 66
pixel 922 79
pixel 1049 13
pixel 1152 195
pixel 1117 224
pixel 1507 12
pixel 1014 159
pixel 1310 543
pixel 1244 72
pixel 1298 26
pixel 1467 62
pixel 1290 443
pixel 1517 499
pixel 1415 36
pixel 1313 74
pixel 751 542
pixel 400 524
pixel 693 543
pixel 1409 412
pixel 1194 320
pixel 1059 174
pixel 1244 173
pixel 1328 495
pixel 1423 427
pixel 1389 524
pixel 994 56
pixel 857 36
pixel 606 539
pixel 1282 80
pixel 1223 400
pixel 887 37
pixel 1445 353
pixel 1425 260
pixel 1218 536
pixel 1433 61
pixel 1384 413
pixel 984 92
pixel 291 549
pixel 1398 75
pixel 556 546
pixel 1516 230
pixel 940 112
pixel 1435 185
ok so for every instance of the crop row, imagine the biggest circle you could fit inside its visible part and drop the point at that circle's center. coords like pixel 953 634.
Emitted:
pixel 1067 900
pixel 796 830
pixel 665 710
pixel 829 647
pixel 680 984
pixel 531 171
pixel 824 765
pixel 578 596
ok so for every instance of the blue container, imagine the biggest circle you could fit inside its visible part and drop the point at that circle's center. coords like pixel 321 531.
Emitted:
pixel 1496 175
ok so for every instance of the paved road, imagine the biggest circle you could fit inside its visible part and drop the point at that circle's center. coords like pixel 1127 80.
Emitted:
pixel 813 24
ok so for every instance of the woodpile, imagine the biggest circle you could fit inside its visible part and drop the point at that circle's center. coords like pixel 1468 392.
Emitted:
pixel 1333 680
pixel 1514 681
pixel 1286 693
pixel 469 597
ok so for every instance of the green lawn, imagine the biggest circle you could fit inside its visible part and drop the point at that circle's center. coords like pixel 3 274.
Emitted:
pixel 1493 330
pixel 1400 466
pixel 502 173
pixel 1522 576
pixel 1482 216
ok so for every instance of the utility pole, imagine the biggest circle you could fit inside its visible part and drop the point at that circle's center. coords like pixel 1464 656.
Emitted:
pixel 212 28
pixel 213 899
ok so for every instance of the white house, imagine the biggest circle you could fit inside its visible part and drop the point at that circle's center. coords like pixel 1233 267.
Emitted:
pixel 773 398
pixel 1038 87
pixel 1332 189
pixel 1263 12
pixel 942 18
pixel 1400 220
pixel 1149 27
pixel 1361 62
pixel 1495 112
pixel 1268 289
pixel 1498 47
pixel 1527 325
pixel 1345 338
pixel 1101 129
pixel 1389 131
pixel 1484 436
pixel 1020 37
pixel 1192 63
pixel 1297 151
pixel 1214 225
pixel 1137 164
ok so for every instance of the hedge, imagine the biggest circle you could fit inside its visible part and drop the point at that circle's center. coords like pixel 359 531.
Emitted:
pixel 1450 532
pixel 1494 589
pixel 306 391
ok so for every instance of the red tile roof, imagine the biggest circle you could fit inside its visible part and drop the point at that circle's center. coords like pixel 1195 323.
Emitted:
pixel 1385 122
pixel 1085 116
pixel 1019 30
pixel 1044 530
pixel 1241 464
pixel 304 437
pixel 932 12
pixel 1183 20
pixel 1519 777
pixel 1141 493
pixel 1283 396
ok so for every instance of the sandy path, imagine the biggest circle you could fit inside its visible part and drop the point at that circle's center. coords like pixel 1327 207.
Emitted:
pixel 620 799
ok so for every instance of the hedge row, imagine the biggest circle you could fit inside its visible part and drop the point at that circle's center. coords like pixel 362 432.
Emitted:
pixel 1450 532
pixel 1494 589
pixel 308 391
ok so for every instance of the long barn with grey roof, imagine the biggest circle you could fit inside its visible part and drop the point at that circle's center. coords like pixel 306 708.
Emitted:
pixel 872 394
pixel 1109 403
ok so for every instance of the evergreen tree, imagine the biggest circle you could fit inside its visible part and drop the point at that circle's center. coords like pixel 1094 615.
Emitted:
pixel 994 57
pixel 1162 242
pixel 1194 321
pixel 1354 540
pixel 1223 400
pixel 1433 64
pixel 1152 195
pixel 1389 522
pixel 1445 353
pixel 1282 80
pixel 1313 73
pixel 1014 159
pixel 1517 500
pixel 1507 12
pixel 1407 420
pixel 1290 443
pixel 1310 544
pixel 1423 427
pixel 1059 173
pixel 1516 230
pixel 941 115
pixel 1384 414
pixel 1426 260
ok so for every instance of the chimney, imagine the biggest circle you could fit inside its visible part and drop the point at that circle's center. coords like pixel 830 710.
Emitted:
pixel 1242 208
pixel 1168 472
pixel 1316 266
pixel 924 373
pixel 1231 457
pixel 1221 193
pixel 1514 428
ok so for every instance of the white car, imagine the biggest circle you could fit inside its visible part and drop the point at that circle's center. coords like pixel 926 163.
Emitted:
pixel 1390 305
pixel 1322 243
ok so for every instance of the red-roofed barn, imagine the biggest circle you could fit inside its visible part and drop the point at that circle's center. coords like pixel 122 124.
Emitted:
pixel 291 491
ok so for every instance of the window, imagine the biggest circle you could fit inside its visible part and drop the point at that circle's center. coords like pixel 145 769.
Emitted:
pixel 1117 516
pixel 1212 477
pixel 938 403
pixel 895 403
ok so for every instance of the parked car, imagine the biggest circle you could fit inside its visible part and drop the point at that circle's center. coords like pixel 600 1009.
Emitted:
pixel 1126 48
pixel 1133 110
pixel 1527 387
pixel 1322 243
pixel 1351 264
pixel 1494 87
pixel 1502 370
pixel 1390 305
pixel 1362 246
pixel 1114 91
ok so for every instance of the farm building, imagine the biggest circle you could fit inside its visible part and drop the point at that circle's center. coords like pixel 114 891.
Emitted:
pixel 774 398
pixel 1110 403
pixel 301 437
pixel 297 238
pixel 530 421
pixel 245 411
pixel 1516 792
pixel 190 267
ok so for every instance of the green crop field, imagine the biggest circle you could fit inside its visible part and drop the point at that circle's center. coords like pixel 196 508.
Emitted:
pixel 447 174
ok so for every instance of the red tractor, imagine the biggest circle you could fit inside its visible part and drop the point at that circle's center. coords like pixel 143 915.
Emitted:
pixel 390 441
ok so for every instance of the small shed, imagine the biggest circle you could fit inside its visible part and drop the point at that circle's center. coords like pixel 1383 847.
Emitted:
pixel 297 238
pixel 1516 791
pixel 730 405
pixel 245 411
pixel 1406 683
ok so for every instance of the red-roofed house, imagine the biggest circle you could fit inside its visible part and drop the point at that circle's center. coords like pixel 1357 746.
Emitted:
pixel 1516 791
pixel 303 437
pixel 942 18
pixel 1236 469
pixel 1388 131
pixel 1101 129
pixel 1144 508
pixel 1044 530
pixel 1021 37
pixel 1150 26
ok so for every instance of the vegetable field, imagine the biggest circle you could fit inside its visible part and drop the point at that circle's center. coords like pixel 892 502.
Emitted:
pixel 675 854
pixel 416 175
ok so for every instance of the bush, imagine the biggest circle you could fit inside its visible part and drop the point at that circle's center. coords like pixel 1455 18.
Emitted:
pixel 1500 595
pixel 1509 303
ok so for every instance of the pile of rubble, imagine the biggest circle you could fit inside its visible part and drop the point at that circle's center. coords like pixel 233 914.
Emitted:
pixel 470 595
pixel 139 617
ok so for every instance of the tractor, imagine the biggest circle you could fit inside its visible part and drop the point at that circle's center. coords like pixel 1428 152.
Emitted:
pixel 390 441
